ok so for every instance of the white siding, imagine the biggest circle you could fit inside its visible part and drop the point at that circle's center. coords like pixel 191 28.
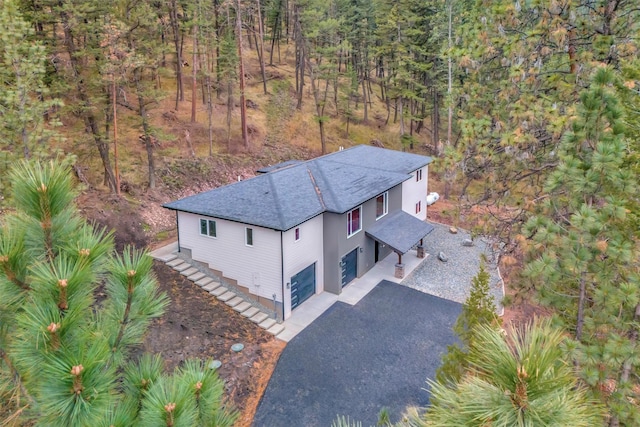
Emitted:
pixel 301 254
pixel 256 267
pixel 415 191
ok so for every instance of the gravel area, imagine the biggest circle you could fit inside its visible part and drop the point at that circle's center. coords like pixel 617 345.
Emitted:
pixel 452 279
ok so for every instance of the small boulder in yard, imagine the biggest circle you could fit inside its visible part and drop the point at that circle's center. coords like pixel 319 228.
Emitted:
pixel 467 242
pixel 453 230
pixel 442 257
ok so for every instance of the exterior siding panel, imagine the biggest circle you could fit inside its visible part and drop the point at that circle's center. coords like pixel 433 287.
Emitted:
pixel 414 192
pixel 302 253
pixel 337 244
pixel 256 267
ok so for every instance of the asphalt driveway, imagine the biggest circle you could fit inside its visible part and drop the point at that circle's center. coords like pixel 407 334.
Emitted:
pixel 354 360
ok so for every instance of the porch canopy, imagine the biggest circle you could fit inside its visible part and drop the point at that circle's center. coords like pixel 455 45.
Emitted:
pixel 400 231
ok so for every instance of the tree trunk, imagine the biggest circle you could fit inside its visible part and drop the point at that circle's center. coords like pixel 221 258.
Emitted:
pixel 365 117
pixel 261 48
pixel 627 366
pixel 173 16
pixel 229 112
pixel 115 135
pixel 581 303
pixel 447 182
pixel 89 118
pixel 243 103
pixel 146 128
pixel 194 70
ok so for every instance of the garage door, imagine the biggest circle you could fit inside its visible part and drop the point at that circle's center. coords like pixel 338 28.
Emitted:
pixel 349 267
pixel 303 285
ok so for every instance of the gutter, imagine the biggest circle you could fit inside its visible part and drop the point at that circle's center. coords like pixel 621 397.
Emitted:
pixel 178 231
pixel 282 271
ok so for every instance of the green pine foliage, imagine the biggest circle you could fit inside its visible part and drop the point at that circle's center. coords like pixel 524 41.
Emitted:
pixel 479 309
pixel 584 257
pixel 520 380
pixel 23 92
pixel 65 359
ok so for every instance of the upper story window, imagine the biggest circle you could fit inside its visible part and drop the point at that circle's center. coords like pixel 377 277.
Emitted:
pixel 297 234
pixel 354 222
pixel 418 175
pixel 208 227
pixel 248 238
pixel 382 205
pixel 418 207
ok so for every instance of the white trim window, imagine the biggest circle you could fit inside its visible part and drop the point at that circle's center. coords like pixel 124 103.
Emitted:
pixel 418 207
pixel 382 205
pixel 419 175
pixel 354 221
pixel 208 227
pixel 248 236
pixel 296 234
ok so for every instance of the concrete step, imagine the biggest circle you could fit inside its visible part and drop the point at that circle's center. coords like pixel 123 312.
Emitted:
pixel 250 312
pixel 276 329
pixel 204 281
pixel 196 276
pixel 175 261
pixel 267 323
pixel 211 286
pixel 259 318
pixel 243 306
pixel 189 271
pixel 218 291
pixel 182 267
pixel 168 258
pixel 234 301
pixel 226 296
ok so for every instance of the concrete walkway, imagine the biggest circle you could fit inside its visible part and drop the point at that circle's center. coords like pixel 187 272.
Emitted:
pixel 351 294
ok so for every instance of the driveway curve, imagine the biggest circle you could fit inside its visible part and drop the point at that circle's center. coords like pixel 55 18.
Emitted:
pixel 354 360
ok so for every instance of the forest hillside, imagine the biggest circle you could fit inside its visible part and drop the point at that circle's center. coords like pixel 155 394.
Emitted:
pixel 531 110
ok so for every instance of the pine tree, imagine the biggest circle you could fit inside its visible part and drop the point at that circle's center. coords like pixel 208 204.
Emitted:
pixel 523 66
pixel 24 106
pixel 64 357
pixel 479 309
pixel 519 380
pixel 585 250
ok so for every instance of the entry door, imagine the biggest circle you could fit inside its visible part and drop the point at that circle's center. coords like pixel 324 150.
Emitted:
pixel 303 285
pixel 349 267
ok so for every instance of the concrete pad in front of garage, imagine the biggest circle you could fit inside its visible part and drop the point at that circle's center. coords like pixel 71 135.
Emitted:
pixel 354 360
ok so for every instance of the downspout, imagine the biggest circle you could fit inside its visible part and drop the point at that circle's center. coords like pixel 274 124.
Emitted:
pixel 178 231
pixel 282 271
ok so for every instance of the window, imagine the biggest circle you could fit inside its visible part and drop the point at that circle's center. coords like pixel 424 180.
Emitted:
pixel 418 175
pixel 248 236
pixel 208 227
pixel 418 207
pixel 353 221
pixel 382 205
pixel 297 234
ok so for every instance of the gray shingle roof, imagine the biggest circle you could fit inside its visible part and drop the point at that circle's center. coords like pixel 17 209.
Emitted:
pixel 290 196
pixel 400 231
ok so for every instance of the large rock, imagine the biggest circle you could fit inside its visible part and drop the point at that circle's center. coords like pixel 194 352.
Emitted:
pixel 442 257
pixel 467 242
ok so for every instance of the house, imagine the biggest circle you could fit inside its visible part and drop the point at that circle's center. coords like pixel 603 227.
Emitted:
pixel 302 228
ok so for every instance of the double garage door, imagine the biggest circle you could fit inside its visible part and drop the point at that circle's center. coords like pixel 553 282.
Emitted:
pixel 303 285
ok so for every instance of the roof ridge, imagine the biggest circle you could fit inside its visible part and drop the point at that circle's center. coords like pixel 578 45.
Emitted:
pixel 329 187
pixel 272 186
pixel 318 191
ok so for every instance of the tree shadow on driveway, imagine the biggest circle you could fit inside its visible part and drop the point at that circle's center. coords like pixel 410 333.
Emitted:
pixel 354 360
